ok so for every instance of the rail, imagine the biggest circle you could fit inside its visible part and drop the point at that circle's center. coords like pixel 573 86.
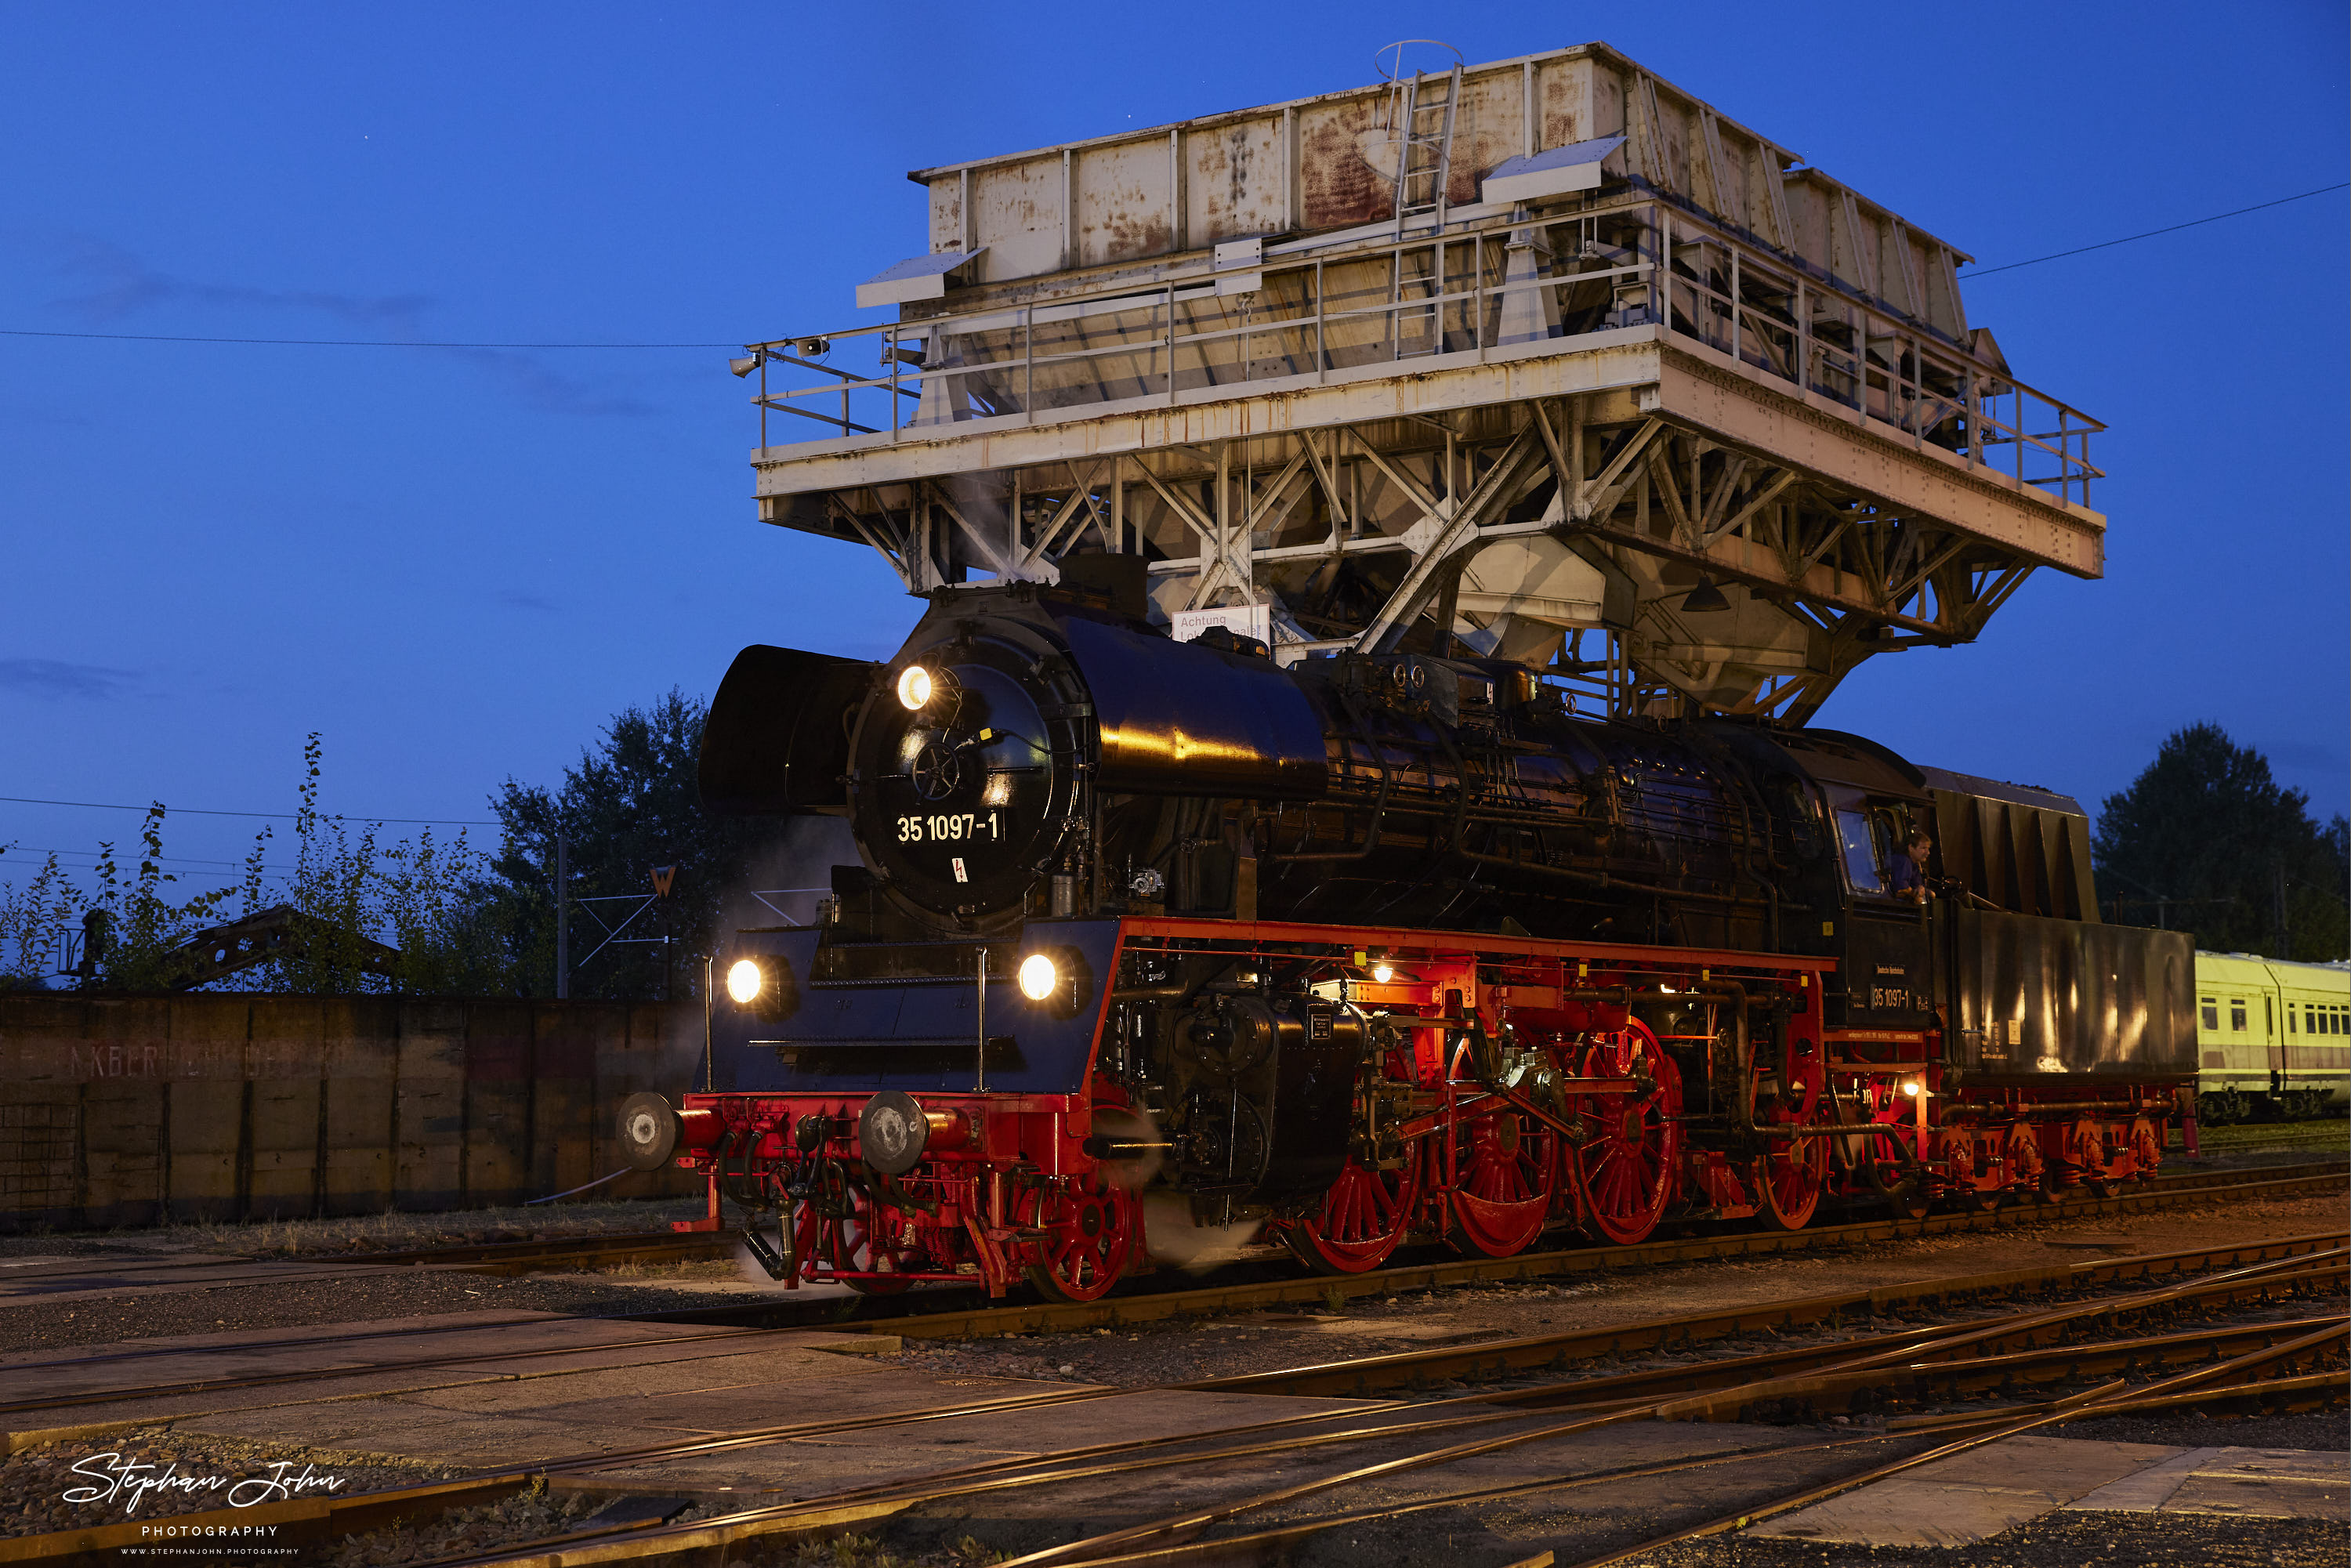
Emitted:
pixel 1434 301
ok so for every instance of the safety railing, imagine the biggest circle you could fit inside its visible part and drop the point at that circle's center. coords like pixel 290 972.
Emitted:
pixel 1739 300
pixel 1424 302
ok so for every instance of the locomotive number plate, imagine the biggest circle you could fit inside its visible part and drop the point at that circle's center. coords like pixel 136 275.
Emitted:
pixel 948 828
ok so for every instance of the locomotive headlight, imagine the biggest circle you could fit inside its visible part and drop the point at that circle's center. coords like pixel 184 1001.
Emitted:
pixel 1040 977
pixel 915 687
pixel 745 981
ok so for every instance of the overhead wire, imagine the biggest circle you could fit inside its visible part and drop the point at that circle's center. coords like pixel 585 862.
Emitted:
pixel 337 342
pixel 416 344
pixel 272 816
pixel 2175 228
pixel 126 858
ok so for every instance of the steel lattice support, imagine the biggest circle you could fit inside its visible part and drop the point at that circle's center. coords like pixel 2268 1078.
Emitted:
pixel 1667 457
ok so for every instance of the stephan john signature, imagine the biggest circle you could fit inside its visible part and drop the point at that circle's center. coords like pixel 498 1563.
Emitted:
pixel 135 1481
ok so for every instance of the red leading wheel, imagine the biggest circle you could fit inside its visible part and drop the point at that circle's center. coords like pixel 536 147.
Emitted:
pixel 1632 1147
pixel 853 1239
pixel 1505 1172
pixel 1089 1229
pixel 1360 1221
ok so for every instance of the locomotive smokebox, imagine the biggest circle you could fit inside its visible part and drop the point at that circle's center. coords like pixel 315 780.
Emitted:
pixel 973 752
pixel 965 761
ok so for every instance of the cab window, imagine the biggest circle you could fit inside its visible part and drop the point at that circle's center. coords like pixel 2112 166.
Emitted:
pixel 2211 1015
pixel 1860 845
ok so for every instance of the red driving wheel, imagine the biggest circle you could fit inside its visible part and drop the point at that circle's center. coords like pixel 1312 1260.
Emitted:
pixel 1792 1172
pixel 1361 1220
pixel 1506 1169
pixel 1631 1153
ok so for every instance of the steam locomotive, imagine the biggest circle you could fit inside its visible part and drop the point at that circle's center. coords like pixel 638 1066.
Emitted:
pixel 1372 949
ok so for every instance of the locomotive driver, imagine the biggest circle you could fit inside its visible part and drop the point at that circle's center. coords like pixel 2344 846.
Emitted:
pixel 1910 866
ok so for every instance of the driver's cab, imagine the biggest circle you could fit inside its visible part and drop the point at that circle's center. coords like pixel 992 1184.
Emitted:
pixel 1874 802
pixel 1873 839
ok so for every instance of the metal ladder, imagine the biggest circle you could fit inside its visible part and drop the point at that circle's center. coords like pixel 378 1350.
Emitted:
pixel 1420 113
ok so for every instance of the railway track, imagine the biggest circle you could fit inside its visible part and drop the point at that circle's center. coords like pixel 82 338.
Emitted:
pixel 1142 1306
pixel 660 1246
pixel 555 1253
pixel 2033 1351
pixel 903 1316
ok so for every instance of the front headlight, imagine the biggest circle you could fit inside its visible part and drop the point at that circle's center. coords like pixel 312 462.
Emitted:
pixel 745 981
pixel 915 687
pixel 1039 977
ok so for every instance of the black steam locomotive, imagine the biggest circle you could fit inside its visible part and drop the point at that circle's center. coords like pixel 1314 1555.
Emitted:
pixel 1372 947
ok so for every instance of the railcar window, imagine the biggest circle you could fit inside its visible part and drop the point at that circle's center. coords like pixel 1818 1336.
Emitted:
pixel 2211 1015
pixel 1860 850
pixel 2236 1015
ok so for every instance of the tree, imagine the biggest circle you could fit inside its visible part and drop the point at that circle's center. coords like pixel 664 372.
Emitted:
pixel 2206 839
pixel 346 894
pixel 632 803
pixel 422 897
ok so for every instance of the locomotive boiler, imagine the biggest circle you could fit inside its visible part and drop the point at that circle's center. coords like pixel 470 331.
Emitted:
pixel 1374 949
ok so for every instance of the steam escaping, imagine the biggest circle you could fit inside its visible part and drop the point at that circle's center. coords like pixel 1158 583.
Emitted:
pixel 753 1274
pixel 1171 1237
pixel 790 877
pixel 991 532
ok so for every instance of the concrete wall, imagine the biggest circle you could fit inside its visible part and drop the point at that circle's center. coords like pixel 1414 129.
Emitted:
pixel 120 1111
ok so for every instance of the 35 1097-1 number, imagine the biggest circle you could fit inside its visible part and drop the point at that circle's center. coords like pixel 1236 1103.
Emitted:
pixel 950 827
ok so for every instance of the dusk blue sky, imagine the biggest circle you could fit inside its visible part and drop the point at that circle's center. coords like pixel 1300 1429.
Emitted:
pixel 457 564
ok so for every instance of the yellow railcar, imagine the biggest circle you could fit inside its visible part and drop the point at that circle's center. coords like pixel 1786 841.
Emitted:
pixel 2274 1038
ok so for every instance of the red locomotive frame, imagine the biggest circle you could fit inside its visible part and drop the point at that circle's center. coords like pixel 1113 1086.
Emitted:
pixel 1526 1085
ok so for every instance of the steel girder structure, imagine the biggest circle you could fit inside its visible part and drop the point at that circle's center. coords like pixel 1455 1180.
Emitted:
pixel 1676 461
